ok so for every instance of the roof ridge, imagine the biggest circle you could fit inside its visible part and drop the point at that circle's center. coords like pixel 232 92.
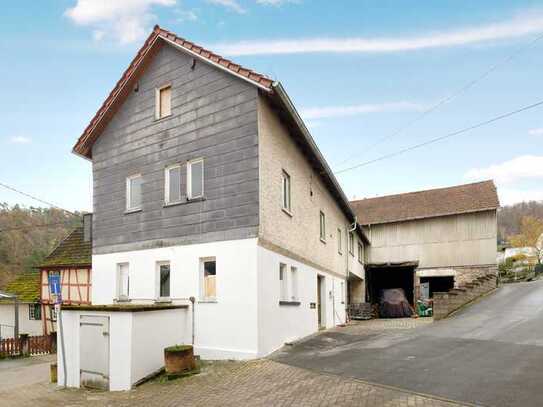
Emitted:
pixel 424 190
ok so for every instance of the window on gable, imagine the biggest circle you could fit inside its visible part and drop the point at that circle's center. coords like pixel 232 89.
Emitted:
pixel 133 192
pixel 123 281
pixel 351 243
pixel 339 244
pixel 283 288
pixel 195 178
pixel 34 311
pixel 322 226
pixel 163 102
pixel 164 279
pixel 360 253
pixel 172 187
pixel 286 191
pixel 208 280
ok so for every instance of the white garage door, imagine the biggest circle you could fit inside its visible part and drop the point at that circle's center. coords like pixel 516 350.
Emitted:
pixel 94 351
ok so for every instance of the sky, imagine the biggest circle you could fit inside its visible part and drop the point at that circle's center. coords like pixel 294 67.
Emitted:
pixel 369 78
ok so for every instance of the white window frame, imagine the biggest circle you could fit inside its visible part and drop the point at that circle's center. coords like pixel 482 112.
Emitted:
pixel 158 264
pixel 283 282
pixel 286 202
pixel 342 294
pixel 158 106
pixel 167 170
pixel 351 243
pixel 189 177
pixel 322 226
pixel 294 276
pixel 129 193
pixel 121 296
pixel 203 297
pixel 339 241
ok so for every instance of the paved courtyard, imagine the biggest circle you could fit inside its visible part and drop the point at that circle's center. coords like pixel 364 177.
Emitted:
pixel 255 383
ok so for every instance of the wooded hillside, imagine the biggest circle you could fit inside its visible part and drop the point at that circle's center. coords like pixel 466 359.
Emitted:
pixel 510 217
pixel 24 238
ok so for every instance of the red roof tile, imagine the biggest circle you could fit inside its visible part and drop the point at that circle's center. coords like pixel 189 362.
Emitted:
pixel 116 97
pixel 475 197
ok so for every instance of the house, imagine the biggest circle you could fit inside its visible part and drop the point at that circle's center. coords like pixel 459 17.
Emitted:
pixel 207 184
pixel 27 289
pixel 441 238
pixel 71 262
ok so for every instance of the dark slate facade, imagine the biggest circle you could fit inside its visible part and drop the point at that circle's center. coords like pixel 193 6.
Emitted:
pixel 214 115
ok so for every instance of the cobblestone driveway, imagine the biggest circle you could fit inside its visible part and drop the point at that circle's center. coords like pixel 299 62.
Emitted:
pixel 254 383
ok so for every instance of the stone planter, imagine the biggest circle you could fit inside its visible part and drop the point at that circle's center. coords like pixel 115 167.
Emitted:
pixel 179 359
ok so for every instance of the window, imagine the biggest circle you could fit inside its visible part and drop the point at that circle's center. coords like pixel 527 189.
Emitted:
pixel 34 311
pixel 123 281
pixel 339 245
pixel 342 293
pixel 293 284
pixel 164 280
pixel 163 101
pixel 133 192
pixel 195 178
pixel 286 191
pixel 53 313
pixel 283 295
pixel 360 253
pixel 351 243
pixel 172 184
pixel 322 226
pixel 208 269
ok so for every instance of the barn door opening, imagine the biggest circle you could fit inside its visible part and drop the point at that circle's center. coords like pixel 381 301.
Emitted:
pixel 94 352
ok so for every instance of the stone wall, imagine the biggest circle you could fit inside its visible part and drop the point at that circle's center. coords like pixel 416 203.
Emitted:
pixel 467 274
pixel 448 302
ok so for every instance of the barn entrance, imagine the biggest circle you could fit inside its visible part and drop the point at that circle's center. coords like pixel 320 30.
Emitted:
pixel 437 284
pixel 384 276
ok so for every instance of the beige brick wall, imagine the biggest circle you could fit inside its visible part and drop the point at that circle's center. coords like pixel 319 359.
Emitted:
pixel 298 233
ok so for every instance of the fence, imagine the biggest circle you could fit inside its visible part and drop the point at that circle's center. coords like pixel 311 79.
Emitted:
pixel 28 345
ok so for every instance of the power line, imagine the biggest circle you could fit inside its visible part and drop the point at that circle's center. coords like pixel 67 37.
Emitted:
pixel 44 225
pixel 448 98
pixel 37 199
pixel 435 140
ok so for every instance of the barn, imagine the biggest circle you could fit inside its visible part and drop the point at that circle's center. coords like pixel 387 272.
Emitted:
pixel 429 241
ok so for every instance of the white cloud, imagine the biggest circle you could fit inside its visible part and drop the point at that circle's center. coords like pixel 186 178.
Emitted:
pixel 125 20
pixel 354 110
pixel 516 27
pixel 276 3
pixel 519 168
pixel 20 140
pixel 509 196
pixel 536 132
pixel 186 15
pixel 229 4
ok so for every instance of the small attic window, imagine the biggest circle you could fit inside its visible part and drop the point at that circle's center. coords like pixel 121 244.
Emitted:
pixel 163 100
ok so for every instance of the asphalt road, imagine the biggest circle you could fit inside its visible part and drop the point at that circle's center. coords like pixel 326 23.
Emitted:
pixel 489 354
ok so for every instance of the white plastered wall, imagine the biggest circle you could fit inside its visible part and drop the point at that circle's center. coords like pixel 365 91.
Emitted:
pixel 278 324
pixel 225 328
pixel 26 325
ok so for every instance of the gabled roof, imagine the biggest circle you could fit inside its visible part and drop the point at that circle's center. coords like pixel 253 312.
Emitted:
pixel 71 252
pixel 26 287
pixel 273 90
pixel 156 39
pixel 476 197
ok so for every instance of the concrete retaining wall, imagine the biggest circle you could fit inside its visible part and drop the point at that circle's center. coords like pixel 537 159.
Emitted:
pixel 447 302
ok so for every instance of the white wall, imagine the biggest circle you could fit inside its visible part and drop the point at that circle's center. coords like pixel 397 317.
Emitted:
pixel 26 325
pixel 284 323
pixel 226 328
pixel 136 344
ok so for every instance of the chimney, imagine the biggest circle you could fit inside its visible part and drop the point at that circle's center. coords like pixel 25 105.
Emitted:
pixel 87 227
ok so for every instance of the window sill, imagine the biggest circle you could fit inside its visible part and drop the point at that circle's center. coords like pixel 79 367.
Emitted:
pixel 323 240
pixel 185 202
pixel 129 211
pixel 207 301
pixel 290 303
pixel 163 301
pixel 122 300
pixel 287 212
pixel 159 119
